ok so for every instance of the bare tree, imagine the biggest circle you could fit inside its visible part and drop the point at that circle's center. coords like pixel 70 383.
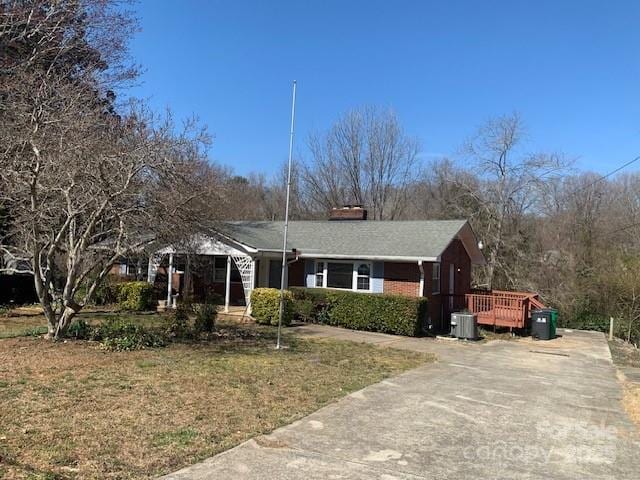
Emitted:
pixel 365 158
pixel 84 185
pixel 436 194
pixel 509 183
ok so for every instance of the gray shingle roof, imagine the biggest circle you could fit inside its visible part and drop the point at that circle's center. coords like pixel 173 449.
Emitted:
pixel 356 239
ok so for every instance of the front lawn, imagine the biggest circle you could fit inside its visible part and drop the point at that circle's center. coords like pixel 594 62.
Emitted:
pixel 15 325
pixel 73 410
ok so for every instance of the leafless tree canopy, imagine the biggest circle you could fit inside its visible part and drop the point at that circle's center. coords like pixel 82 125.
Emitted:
pixel 84 182
pixel 365 158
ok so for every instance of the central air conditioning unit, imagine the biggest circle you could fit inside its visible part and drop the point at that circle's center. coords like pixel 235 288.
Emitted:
pixel 464 325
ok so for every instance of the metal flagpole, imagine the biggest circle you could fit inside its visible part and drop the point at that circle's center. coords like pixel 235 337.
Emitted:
pixel 286 217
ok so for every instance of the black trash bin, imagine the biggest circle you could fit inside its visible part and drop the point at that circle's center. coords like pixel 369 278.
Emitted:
pixel 543 323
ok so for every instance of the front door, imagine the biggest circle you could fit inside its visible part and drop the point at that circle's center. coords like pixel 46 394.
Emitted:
pixel 275 272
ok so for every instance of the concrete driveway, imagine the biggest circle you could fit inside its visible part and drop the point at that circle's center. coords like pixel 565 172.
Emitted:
pixel 499 410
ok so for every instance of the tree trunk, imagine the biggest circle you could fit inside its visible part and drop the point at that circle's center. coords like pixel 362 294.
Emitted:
pixel 64 321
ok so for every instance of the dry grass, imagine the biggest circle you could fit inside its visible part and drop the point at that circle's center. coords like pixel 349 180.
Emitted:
pixel 14 326
pixel 624 354
pixel 72 410
pixel 487 334
pixel 631 402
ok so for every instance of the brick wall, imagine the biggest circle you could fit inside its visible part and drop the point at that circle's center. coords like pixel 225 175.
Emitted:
pixel 404 279
pixel 443 305
pixel 401 279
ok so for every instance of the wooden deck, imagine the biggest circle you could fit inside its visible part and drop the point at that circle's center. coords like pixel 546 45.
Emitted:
pixel 503 309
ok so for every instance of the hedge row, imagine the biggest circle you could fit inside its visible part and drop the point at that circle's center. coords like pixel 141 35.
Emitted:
pixel 135 296
pixel 265 306
pixel 362 311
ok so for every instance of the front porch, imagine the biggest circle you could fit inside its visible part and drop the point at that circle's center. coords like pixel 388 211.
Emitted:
pixel 214 271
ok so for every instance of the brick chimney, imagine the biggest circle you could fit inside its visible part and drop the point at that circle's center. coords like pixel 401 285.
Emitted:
pixel 348 212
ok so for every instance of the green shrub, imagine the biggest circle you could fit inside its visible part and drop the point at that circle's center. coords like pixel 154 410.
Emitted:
pixel 135 296
pixel 118 334
pixel 265 306
pixel 104 294
pixel 80 330
pixel 364 311
pixel 178 322
pixel 205 317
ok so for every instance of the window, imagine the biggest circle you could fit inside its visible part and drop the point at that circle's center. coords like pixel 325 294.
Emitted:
pixel 319 274
pixel 435 278
pixel 345 275
pixel 220 269
pixel 363 277
pixel 339 275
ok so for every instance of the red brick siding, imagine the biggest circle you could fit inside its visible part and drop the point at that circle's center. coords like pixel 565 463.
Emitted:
pixel 457 255
pixel 401 279
pixel 439 304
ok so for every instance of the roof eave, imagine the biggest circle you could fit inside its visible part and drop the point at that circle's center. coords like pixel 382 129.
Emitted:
pixel 390 258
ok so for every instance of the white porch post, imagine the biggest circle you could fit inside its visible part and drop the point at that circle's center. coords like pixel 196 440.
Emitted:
pixel 169 279
pixel 150 273
pixel 227 285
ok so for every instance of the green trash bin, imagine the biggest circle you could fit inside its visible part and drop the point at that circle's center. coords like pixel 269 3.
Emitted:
pixel 544 322
pixel 554 322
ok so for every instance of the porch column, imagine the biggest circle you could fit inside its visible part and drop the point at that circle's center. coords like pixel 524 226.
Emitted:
pixel 169 279
pixel 227 285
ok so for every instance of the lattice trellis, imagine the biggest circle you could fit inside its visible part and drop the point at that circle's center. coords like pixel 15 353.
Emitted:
pixel 245 266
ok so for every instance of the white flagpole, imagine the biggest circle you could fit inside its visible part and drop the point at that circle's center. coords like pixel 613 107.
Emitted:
pixel 286 217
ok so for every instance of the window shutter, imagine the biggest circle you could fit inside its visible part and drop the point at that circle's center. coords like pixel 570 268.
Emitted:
pixel 377 277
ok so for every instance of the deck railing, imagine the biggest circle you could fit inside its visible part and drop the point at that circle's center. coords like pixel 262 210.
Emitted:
pixel 503 309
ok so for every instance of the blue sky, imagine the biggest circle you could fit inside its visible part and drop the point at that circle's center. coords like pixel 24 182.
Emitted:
pixel 571 68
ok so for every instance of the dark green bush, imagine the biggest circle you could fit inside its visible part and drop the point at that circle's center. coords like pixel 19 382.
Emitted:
pixel 118 334
pixel 265 306
pixel 104 294
pixel 363 311
pixel 178 322
pixel 135 296
pixel 205 321
pixel 80 330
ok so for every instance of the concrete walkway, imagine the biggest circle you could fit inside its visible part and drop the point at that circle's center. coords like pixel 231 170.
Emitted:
pixel 499 410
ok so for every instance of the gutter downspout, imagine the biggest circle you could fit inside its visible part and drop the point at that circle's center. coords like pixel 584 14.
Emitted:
pixel 421 287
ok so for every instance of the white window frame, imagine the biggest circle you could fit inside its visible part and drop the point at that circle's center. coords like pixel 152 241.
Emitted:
pixel 435 279
pixel 356 276
pixel 316 273
pixel 354 280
